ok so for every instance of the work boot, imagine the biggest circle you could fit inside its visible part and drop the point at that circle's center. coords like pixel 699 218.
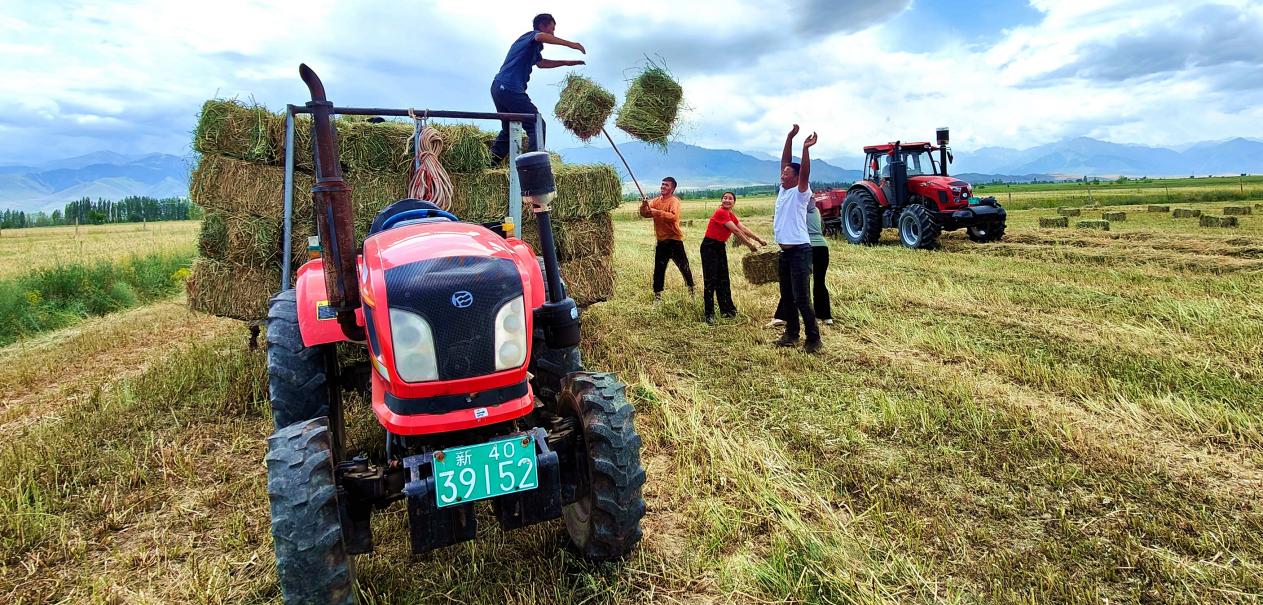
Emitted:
pixel 774 323
pixel 813 346
pixel 786 341
pixel 710 319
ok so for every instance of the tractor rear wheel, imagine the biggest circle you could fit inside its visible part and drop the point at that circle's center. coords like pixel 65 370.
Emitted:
pixel 991 232
pixel 604 523
pixel 861 218
pixel 298 384
pixel 312 562
pixel 917 228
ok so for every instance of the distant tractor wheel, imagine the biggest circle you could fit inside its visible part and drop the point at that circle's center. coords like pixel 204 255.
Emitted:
pixel 298 384
pixel 861 218
pixel 986 233
pixel 917 228
pixel 604 523
pixel 549 367
pixel 312 562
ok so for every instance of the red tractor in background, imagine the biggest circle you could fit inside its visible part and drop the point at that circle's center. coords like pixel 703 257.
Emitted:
pixel 472 369
pixel 903 187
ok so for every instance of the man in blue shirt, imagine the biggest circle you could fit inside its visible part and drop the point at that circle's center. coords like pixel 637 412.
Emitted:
pixel 508 89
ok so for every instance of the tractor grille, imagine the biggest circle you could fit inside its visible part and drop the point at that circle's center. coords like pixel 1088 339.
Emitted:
pixel 459 297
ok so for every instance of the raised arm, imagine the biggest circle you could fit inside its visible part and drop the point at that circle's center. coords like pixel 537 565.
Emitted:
pixel 547 38
pixel 787 154
pixel 804 173
pixel 551 63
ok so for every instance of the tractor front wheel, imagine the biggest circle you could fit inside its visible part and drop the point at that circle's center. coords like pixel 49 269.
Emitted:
pixel 604 523
pixel 298 383
pixel 549 367
pixel 986 233
pixel 917 228
pixel 861 218
pixel 312 562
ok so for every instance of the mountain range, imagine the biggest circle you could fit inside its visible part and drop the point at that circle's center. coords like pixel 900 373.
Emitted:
pixel 50 185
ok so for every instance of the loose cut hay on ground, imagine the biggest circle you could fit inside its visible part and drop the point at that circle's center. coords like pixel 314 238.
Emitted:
pixel 584 106
pixel 1052 222
pixel 1114 216
pixel 1208 220
pixel 1093 224
pixel 651 106
pixel 761 267
pixel 227 291
pixel 1186 213
pixel 234 129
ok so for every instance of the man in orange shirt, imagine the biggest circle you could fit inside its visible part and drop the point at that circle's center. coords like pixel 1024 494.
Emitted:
pixel 665 212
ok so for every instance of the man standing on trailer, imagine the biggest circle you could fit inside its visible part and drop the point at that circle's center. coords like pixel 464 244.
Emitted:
pixel 508 89
pixel 789 226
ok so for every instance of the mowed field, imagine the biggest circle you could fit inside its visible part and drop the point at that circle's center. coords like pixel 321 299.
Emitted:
pixel 24 250
pixel 1064 416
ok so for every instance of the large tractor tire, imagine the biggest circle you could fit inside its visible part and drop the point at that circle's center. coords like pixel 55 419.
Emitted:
pixel 861 218
pixel 298 384
pixel 549 367
pixel 311 556
pixel 604 523
pixel 991 232
pixel 917 229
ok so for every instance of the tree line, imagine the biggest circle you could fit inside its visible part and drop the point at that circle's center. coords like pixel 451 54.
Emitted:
pixel 718 192
pixel 86 211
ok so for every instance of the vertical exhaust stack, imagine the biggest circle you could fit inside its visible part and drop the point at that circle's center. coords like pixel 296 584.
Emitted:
pixel 331 198
pixel 898 177
pixel 559 316
pixel 942 149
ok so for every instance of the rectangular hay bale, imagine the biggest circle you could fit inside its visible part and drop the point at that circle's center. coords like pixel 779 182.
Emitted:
pixel 242 188
pixel 240 240
pixel 1052 222
pixel 761 267
pixel 589 280
pixel 1093 224
pixel 234 129
pixel 241 293
pixel 1069 211
pixel 1114 216
pixel 1236 210
pixel 1186 213
pixel 1159 209
pixel 575 238
pixel 1208 220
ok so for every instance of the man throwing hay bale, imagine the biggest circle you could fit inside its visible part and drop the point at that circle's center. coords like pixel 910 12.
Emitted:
pixel 665 212
pixel 508 89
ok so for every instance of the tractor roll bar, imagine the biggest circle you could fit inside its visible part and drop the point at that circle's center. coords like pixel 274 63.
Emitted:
pixel 515 121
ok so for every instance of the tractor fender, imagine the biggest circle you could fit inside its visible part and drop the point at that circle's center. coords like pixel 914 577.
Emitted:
pixel 872 189
pixel 317 321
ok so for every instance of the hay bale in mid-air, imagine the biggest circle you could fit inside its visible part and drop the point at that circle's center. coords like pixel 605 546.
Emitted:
pixel 230 128
pixel 1208 220
pixel 1093 224
pixel 1236 210
pixel 1069 211
pixel 651 106
pixel 1114 216
pixel 584 106
pixel 761 267
pixel 1052 222
pixel 1159 209
pixel 227 291
pixel 1186 213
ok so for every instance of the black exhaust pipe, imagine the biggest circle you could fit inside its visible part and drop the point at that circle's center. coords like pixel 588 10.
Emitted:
pixel 942 149
pixel 898 178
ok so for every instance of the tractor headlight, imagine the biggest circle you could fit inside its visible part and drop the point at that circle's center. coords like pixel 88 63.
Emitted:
pixel 415 359
pixel 511 335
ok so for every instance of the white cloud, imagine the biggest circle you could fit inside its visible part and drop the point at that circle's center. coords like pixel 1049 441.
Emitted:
pixel 83 76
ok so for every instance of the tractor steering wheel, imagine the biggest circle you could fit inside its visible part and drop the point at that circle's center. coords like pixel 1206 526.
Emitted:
pixel 417 214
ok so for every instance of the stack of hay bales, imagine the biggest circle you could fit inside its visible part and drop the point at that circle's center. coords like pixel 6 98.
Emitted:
pixel 761 267
pixel 1052 222
pixel 239 181
pixel 1186 213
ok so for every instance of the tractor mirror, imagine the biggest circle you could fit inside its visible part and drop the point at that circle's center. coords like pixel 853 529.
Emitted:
pixel 950 158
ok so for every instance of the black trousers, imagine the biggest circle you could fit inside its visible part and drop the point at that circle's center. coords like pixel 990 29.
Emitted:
pixel 795 270
pixel 819 289
pixel 715 283
pixel 670 250
pixel 507 101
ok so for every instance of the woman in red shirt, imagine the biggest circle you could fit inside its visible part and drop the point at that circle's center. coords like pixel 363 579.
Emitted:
pixel 723 224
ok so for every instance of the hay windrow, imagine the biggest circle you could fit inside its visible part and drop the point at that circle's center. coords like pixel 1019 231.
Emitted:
pixel 235 129
pixel 761 267
pixel 1053 222
pixel 236 292
pixel 584 106
pixel 651 106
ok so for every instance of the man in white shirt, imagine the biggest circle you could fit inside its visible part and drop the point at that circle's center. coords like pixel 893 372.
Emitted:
pixel 789 225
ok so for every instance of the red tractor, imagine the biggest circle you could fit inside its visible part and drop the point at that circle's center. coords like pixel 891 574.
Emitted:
pixel 472 370
pixel 904 187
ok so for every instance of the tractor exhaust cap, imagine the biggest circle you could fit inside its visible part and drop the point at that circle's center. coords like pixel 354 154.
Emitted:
pixel 535 173
pixel 942 136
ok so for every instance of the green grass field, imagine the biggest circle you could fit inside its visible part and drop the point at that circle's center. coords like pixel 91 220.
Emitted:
pixel 1065 416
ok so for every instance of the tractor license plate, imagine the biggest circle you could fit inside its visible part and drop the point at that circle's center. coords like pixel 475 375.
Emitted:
pixel 486 470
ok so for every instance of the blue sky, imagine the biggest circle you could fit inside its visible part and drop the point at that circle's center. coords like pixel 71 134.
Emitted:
pixel 130 76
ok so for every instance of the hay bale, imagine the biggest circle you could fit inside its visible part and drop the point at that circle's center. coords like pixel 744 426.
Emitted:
pixel 761 267
pixel 1050 222
pixel 583 106
pixel 575 238
pixel 234 129
pixel 651 106
pixel 1159 209
pixel 1208 220
pixel 374 147
pixel 241 241
pixel 1093 224
pixel 241 188
pixel 583 190
pixel 589 280
pixel 1114 216
pixel 1186 213
pixel 1069 211
pixel 239 293
pixel 1236 210
pixel 466 148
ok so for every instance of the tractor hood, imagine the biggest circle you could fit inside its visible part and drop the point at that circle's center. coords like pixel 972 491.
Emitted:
pixel 936 187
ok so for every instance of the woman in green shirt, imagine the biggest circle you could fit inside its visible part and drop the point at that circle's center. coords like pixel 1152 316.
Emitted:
pixel 819 265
